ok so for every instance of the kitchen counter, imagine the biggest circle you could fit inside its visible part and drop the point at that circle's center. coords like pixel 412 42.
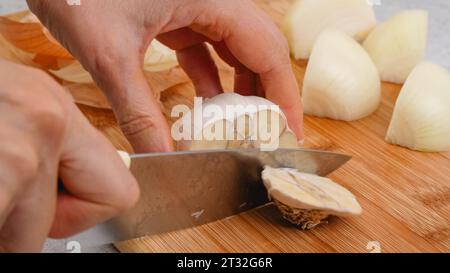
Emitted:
pixel 438 52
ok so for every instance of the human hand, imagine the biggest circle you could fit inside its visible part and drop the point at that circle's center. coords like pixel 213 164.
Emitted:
pixel 110 37
pixel 44 136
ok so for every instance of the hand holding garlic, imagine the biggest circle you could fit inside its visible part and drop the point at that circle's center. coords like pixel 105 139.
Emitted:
pixel 110 42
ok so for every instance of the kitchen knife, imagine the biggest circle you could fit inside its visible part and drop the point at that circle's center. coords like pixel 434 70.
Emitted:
pixel 187 189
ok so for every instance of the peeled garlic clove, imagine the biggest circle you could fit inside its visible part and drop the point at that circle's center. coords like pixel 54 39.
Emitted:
pixel 398 45
pixel 306 199
pixel 341 81
pixel 244 117
pixel 308 18
pixel 421 119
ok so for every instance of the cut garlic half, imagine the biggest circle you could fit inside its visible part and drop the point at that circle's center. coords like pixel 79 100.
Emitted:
pixel 307 199
pixel 341 81
pixel 398 45
pixel 308 18
pixel 421 119
pixel 230 120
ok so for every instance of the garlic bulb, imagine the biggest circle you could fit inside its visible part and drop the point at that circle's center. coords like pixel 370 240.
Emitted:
pixel 308 18
pixel 157 58
pixel 341 81
pixel 307 199
pixel 398 45
pixel 230 120
pixel 421 119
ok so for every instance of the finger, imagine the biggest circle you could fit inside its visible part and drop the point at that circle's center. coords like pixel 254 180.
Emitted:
pixel 259 88
pixel 26 227
pixel 98 185
pixel 32 125
pixel 198 64
pixel 181 38
pixel 244 78
pixel 195 59
pixel 12 176
pixel 266 54
pixel 280 87
pixel 245 81
pixel 28 175
pixel 136 109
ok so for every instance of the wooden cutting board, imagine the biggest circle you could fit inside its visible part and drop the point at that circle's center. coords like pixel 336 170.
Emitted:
pixel 405 194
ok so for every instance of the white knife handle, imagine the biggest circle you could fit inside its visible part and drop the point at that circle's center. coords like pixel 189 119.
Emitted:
pixel 125 158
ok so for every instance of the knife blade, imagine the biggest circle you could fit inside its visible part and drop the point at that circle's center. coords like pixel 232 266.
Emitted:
pixel 187 189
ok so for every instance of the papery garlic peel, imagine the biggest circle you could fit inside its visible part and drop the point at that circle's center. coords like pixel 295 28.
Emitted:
pixel 398 45
pixel 341 81
pixel 308 18
pixel 307 199
pixel 421 118
pixel 158 58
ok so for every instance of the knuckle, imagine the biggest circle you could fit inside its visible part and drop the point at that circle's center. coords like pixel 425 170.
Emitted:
pixel 22 159
pixel 107 61
pixel 137 123
pixel 50 119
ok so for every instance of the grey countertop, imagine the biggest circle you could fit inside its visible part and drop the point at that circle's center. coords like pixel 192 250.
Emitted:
pixel 438 52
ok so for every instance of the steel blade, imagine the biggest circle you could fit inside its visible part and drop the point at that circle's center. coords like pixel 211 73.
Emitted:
pixel 187 189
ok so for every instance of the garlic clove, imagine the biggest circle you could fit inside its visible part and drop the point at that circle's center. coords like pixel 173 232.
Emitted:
pixel 341 81
pixel 398 45
pixel 308 18
pixel 421 118
pixel 307 199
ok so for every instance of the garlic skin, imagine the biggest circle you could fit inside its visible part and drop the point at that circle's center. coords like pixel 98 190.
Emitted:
pixel 74 72
pixel 157 58
pixel 421 118
pixel 341 81
pixel 398 45
pixel 243 125
pixel 307 199
pixel 308 18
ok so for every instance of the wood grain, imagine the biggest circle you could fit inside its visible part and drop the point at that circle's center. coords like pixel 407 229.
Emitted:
pixel 405 194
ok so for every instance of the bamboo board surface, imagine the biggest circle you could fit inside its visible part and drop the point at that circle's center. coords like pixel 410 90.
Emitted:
pixel 405 194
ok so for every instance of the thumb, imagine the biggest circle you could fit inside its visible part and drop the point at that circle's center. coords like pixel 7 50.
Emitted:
pixel 122 79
